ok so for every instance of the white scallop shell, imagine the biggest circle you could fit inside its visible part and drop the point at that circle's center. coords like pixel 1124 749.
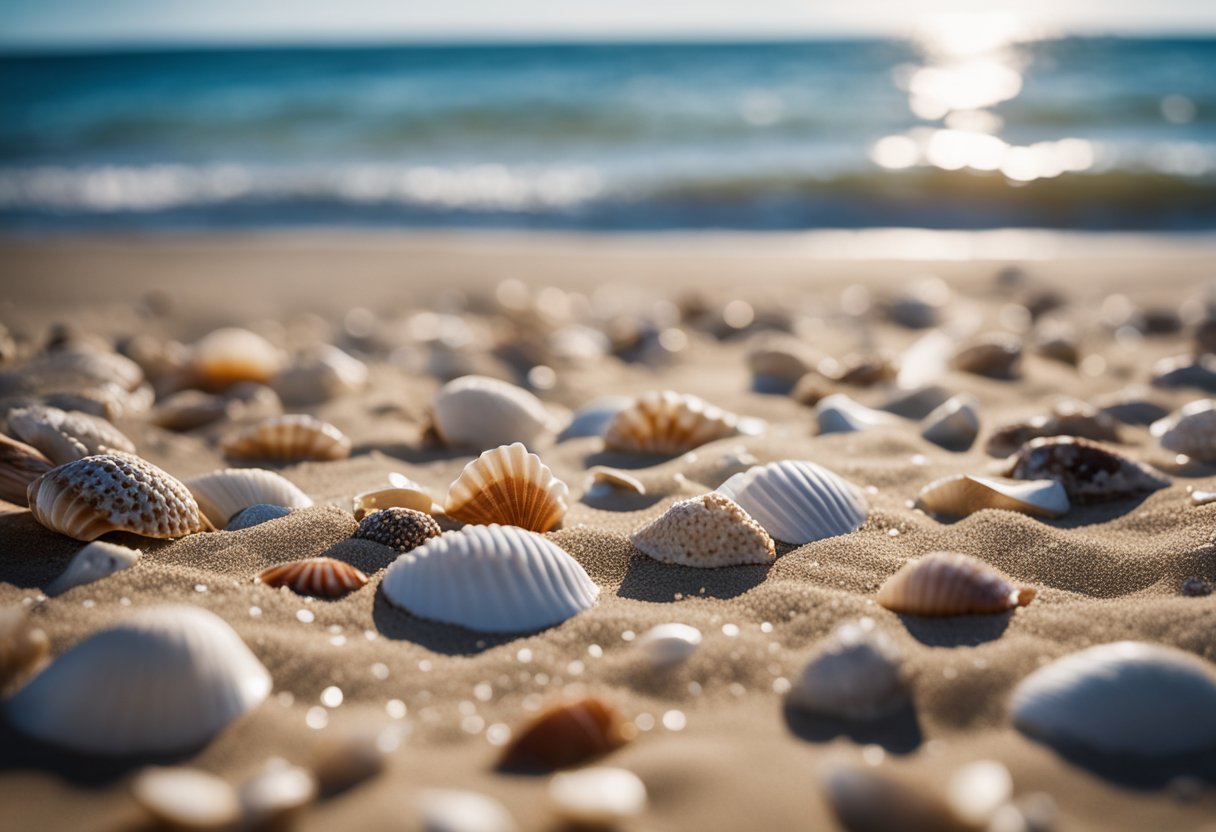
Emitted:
pixel 186 798
pixel 445 810
pixel 840 414
pixel 665 645
pixel 960 495
pixel 92 563
pixel 293 437
pixel 597 797
pixel 511 486
pixel 669 423
pixel 165 680
pixel 65 436
pixel 858 675
pixel 798 502
pixel 496 579
pixel 1125 698
pixel 223 494
pixel 955 424
pixel 1190 431
pixel 482 412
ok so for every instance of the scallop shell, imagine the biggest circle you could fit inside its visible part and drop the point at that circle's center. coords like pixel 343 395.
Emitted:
pixel 1127 698
pixel 668 423
pixel 706 532
pixel 229 355
pixel 20 465
pixel 955 424
pixel 450 810
pixel 402 529
pixel 868 799
pixel 960 495
pixel 666 645
pixel 402 493
pixel 1068 418
pixel 798 502
pixel 92 563
pixel 186 798
pixel 567 734
pixel 316 577
pixel 497 579
pixel 224 494
pixel 290 438
pixel 1190 431
pixel 325 374
pixel 1088 471
pixel 166 680
pixel 996 355
pixel 859 674
pixel 948 583
pixel 477 411
pixel 22 645
pixel 66 436
pixel 114 492
pixel 255 515
pixel 510 486
pixel 840 414
pixel 598 797
pixel 189 409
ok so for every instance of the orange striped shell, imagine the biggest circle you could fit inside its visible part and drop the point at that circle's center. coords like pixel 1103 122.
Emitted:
pixel 511 487
pixel 317 577
pixel 668 423
pixel 948 583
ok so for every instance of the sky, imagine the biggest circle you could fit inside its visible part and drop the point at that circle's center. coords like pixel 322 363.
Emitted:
pixel 41 23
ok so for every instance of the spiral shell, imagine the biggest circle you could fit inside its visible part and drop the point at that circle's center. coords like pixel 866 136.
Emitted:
pixel 477 411
pixel 229 355
pixel 567 734
pixel 92 563
pixel 224 494
pixel 1190 431
pixel 20 465
pixel 510 486
pixel 961 495
pixel 1087 471
pixel 706 532
pixel 948 583
pixel 402 529
pixel 65 436
pixel 317 577
pixel 858 674
pixel 290 438
pixel 668 423
pixel 798 502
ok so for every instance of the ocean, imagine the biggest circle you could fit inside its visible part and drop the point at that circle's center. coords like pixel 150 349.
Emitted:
pixel 1074 133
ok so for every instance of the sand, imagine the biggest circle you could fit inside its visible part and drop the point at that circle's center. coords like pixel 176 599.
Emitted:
pixel 717 751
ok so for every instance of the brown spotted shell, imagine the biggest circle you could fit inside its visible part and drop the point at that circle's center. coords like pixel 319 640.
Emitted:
pixel 1067 418
pixel 66 435
pixel 1088 471
pixel 948 583
pixel 511 487
pixel 20 465
pixel 668 423
pixel 316 577
pixel 290 438
pixel 567 734
pixel 402 529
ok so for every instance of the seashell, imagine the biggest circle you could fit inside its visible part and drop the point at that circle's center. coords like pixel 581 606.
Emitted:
pixel 226 493
pixel 345 761
pixel 1190 431
pixel 290 438
pixel 477 411
pixel 403 529
pixel 186 798
pixel 1058 341
pixel 592 419
pixel 1127 699
pixel 1068 418
pixel 22 645
pixel 1186 371
pixel 20 465
pixel 510 486
pixel 276 793
pixel 979 790
pixel 665 645
pixel 166 680
pixel 867 799
pixel 955 424
pixel 83 366
pixel 414 499
pixel 92 563
pixel 114 492
pixel 255 515
pixel 445 810
pixel 497 579
pixel 327 373
pixel 161 360
pixel 614 479
pixel 916 403
pixel 668 423
pixel 996 355
pixel 1088 471
pixel 777 361
pixel 798 502
pixel 811 389
pixel 858 675
pixel 960 495
pixel 1202 498
pixel 840 414
pixel 1132 406
pixel 226 356
pixel 597 797
pixel 706 532
pixel 66 436
pixel 566 734
pixel 921 304
pixel 926 361
pixel 316 577
pixel 948 583
pixel 250 401
pixel 859 370
pixel 189 409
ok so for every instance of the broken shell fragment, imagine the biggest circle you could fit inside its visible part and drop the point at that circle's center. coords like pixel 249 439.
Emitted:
pixel 1190 431
pixel 669 423
pixel 948 583
pixel 858 674
pixel 509 486
pixel 961 495
pixel 706 532
pixel 597 797
pixel 567 734
pixel 65 436
pixel 315 577
pixel 840 414
pixel 186 798
pixel 798 502
pixel 955 424
pixel 290 438
pixel 476 411
pixel 403 529
pixel 1087 471
pixel 92 563
pixel 223 494
pixel 20 464
pixel 230 355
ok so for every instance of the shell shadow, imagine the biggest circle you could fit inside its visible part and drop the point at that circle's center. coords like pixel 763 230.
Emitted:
pixel 21 753
pixel 897 733
pixel 648 580
pixel 448 639
pixel 957 630
pixel 620 500
pixel 1080 514
pixel 414 454
pixel 1144 773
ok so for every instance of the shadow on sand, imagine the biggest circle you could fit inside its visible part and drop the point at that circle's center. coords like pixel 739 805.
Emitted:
pixel 897 733
pixel 649 580
pixel 958 630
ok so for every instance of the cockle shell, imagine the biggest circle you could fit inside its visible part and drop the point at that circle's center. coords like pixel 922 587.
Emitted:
pixel 1190 431
pixel 403 529
pixel 450 810
pixel 1126 698
pixel 955 424
pixel 949 583
pixel 1068 418
pixel 668 423
pixel 1088 471
pixel 480 412
pixel 960 495
pixel 401 493
pixel 566 734
pixel 291 438
pixel 20 465
pixel 798 502
pixel 868 799
pixel 706 532
pixel 226 356
pixel 224 494
pixel 65 436
pixel 859 674
pixel 189 409
pixel 597 797
pixel 114 492
pixel 316 577
pixel 996 355
pixel 22 645
pixel 326 373
pixel 496 579
pixel 166 680
pixel 666 645
pixel 186 798
pixel 840 414
pixel 510 486
pixel 92 563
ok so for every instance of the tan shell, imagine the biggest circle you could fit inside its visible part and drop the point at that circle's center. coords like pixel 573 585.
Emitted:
pixel 996 355
pixel 20 465
pixel 1068 418
pixel 615 479
pixel 66 435
pixel 707 531
pixel 960 495
pixel 22 645
pixel 1190 431
pixel 290 438
pixel 1087 471
pixel 114 492
pixel 223 494
pixel 948 583
pixel 401 493
pixel 567 734
pixel 231 354
pixel 317 577
pixel 869 799
pixel 668 423
pixel 189 409
pixel 511 487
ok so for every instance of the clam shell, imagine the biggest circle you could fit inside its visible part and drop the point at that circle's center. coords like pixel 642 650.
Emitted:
pixel 186 798
pixel 114 492
pixel 866 799
pixel 1088 471
pixel 92 563
pixel 858 674
pixel 496 579
pixel 1126 698
pixel 22 645
pixel 597 797
pixel 20 465
pixel 955 424
pixel 317 577
pixel 949 583
pixel 66 436
pixel 290 438
pixel 960 495
pixel 996 355
pixel 403 529
pixel 226 493
pixel 840 414
pixel 668 423
pixel 477 411
pixel 229 355
pixel 1068 418
pixel 255 515
pixel 567 734
pixel 82 366
pixel 403 493
pixel 666 645
pixel 798 502
pixel 510 486
pixel 189 409
pixel 706 532
pixel 166 680
pixel 1190 431
pixel 449 810
pixel 325 374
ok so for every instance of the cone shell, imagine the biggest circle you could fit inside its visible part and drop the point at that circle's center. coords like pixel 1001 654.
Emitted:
pixel 290 438
pixel 477 411
pixel 798 502
pixel 706 532
pixel 22 645
pixel 114 492
pixel 92 563
pixel 224 494
pixel 1087 471
pixel 495 579
pixel 1068 418
pixel 166 680
pixel 1190 431
pixel 20 465
pixel 65 436
pixel 402 529
pixel 955 424
pixel 510 486
pixel 226 356
pixel 567 734
pixel 840 414
pixel 316 577
pixel 668 423
pixel 961 495
pixel 948 583
pixel 858 674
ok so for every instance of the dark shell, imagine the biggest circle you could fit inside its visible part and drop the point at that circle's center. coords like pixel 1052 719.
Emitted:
pixel 1185 371
pixel 996 356
pixel 567 734
pixel 1071 418
pixel 1087 471
pixel 402 529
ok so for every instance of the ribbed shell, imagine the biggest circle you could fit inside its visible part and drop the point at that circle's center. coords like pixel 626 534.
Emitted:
pixel 840 414
pixel 114 492
pixel 166 680
pixel 1190 431
pixel 510 486
pixel 798 502
pixel 858 674
pixel 402 529
pixel 1125 698
pixel 20 465
pixel 231 354
pixel 189 409
pixel 65 436
pixel 567 734
pixel 1087 471
pixel 955 424
pixel 92 563
pixel 226 493
pixel 949 583
pixel 290 438
pixel 668 423
pixel 960 495
pixel 495 579
pixel 480 412
pixel 707 532
pixel 317 577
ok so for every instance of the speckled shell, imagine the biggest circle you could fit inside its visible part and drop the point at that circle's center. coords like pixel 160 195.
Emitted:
pixel 996 356
pixel 226 493
pixel 840 414
pixel 955 424
pixel 510 486
pixel 22 645
pixel 166 680
pixel 496 579
pixel 798 502
pixel 20 465
pixel 1126 698
pixel 114 492
pixel 231 354
pixel 948 583
pixel 706 532
pixel 481 412
pixel 960 495
pixel 92 563
pixel 290 438
pixel 1087 471
pixel 668 423
pixel 567 734
pixel 858 674
pixel 868 799
pixel 317 577
pixel 402 529
pixel 65 436
pixel 1190 431
pixel 1068 418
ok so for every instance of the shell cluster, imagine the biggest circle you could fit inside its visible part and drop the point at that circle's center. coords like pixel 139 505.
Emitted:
pixel 949 583
pixel 707 532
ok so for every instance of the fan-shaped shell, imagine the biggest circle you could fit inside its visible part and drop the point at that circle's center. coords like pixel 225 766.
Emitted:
pixel 186 798
pixel 510 486
pixel 317 577
pixel 1126 698
pixel 1190 431
pixel 1088 471
pixel 1068 418
pixel 567 734
pixel 22 645
pixel 114 492
pixel 949 583
pixel 706 532
pixel 231 354
pixel 226 493
pixel 955 424
pixel 668 423
pixel 403 529
pixel 478 411
pixel 960 495
pixel 291 438
pixel 857 675
pixel 166 680
pixel 497 579
pixel 798 502
pixel 20 465
pixel 65 436
pixel 92 563
pixel 840 414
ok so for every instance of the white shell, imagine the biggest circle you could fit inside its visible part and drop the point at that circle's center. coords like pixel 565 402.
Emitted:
pixel 665 645
pixel 597 797
pixel 925 361
pixel 798 502
pixel 1125 698
pixel 186 798
pixel 276 791
pixel 955 424
pixel 325 373
pixel 978 790
pixel 1190 431
pixel 840 414
pixel 857 675
pixel 445 810
pixel 495 579
pixel 871 799
pixel 65 435
pixel 92 563
pixel 960 495
pixel 166 680
pixel 482 412
pixel 224 494
pixel 511 486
